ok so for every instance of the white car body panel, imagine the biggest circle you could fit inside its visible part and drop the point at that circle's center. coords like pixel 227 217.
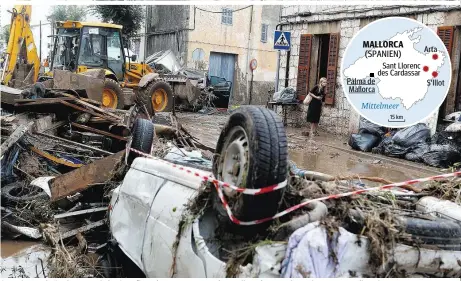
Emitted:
pixel 146 210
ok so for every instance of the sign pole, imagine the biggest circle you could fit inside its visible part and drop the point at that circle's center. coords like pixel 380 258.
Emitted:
pixel 277 72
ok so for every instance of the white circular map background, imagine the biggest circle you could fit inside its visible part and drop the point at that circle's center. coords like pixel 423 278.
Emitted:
pixel 411 72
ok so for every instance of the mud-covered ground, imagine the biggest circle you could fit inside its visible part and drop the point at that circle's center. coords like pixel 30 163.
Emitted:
pixel 327 153
pixel 23 259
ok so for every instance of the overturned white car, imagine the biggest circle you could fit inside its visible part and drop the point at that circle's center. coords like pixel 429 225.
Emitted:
pixel 169 223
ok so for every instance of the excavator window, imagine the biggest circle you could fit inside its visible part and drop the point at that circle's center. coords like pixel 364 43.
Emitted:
pixel 102 47
pixel 115 55
pixel 92 48
pixel 65 50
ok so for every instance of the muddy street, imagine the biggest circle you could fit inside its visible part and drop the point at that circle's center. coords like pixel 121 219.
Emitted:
pixel 21 259
pixel 328 154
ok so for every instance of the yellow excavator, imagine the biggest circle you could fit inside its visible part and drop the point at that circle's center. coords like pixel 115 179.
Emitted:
pixel 21 52
pixel 81 46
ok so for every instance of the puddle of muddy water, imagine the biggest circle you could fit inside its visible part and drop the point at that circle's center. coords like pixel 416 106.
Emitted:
pixel 22 259
pixel 336 163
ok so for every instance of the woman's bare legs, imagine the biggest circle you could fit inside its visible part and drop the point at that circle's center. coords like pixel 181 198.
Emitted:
pixel 316 125
pixel 312 129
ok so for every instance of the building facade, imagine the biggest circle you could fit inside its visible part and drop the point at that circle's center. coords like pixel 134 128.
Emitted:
pixel 320 35
pixel 222 40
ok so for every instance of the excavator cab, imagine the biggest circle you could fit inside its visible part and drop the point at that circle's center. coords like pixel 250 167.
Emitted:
pixel 80 46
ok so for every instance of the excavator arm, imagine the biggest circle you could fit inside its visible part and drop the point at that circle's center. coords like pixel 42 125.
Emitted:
pixel 21 44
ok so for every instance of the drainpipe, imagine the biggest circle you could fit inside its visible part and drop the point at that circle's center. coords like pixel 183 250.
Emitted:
pixel 247 66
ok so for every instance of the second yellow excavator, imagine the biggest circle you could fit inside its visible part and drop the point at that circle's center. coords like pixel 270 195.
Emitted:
pixel 21 58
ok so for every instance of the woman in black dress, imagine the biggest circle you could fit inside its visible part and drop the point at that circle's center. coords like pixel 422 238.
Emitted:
pixel 315 106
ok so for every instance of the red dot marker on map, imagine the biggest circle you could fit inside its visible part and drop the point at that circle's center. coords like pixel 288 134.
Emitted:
pixel 426 68
pixel 435 56
pixel 434 74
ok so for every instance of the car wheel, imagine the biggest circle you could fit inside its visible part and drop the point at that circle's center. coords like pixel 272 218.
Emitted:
pixel 142 138
pixel 252 153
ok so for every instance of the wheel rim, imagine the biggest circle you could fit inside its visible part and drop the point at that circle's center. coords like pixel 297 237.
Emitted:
pixel 159 100
pixel 109 98
pixel 234 164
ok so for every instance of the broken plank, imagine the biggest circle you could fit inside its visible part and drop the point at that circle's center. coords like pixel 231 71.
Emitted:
pixel 40 100
pixel 99 171
pixel 15 136
pixel 91 101
pixel 98 131
pixel 81 212
pixel 37 103
pixel 88 111
pixel 74 232
pixel 54 158
pixel 75 143
pixel 92 106
pixel 97 120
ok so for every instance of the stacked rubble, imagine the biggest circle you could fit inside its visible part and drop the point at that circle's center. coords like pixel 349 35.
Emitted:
pixel 62 154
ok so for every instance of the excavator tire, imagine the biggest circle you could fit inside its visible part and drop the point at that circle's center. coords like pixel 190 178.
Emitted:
pixel 112 95
pixel 157 96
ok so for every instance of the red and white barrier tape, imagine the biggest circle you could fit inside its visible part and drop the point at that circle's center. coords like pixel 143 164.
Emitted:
pixel 219 185
pixel 334 196
pixel 215 181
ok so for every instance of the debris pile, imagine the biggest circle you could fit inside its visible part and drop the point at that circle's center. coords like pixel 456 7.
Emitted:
pixel 62 153
pixel 377 224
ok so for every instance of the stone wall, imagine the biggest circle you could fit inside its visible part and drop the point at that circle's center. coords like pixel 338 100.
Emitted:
pixel 347 20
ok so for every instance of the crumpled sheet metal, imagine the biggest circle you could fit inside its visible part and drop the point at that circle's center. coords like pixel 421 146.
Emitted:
pixel 80 179
pixel 184 157
pixel 142 219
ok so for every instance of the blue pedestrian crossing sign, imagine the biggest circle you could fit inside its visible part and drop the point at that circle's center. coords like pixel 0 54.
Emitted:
pixel 282 40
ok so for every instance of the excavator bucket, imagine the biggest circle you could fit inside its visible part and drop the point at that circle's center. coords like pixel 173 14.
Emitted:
pixel 92 81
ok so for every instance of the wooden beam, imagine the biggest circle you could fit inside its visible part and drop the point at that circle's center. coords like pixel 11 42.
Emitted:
pixel 75 143
pixel 90 226
pixel 88 111
pixel 81 212
pixel 15 136
pixel 92 106
pixel 98 131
